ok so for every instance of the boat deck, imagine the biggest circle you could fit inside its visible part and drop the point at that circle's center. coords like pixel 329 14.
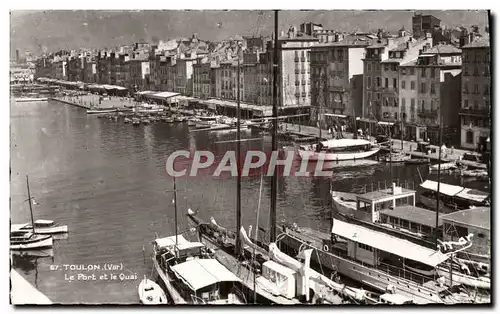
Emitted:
pixel 246 275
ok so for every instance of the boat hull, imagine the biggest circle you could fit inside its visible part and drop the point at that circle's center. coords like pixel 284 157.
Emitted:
pixel 460 278
pixel 150 293
pixel 31 99
pixel 101 111
pixel 40 243
pixel 374 278
pixel 47 230
pixel 431 203
pixel 340 203
pixel 315 156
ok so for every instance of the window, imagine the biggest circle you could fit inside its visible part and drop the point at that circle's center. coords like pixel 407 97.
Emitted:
pixel 475 104
pixel 466 103
pixel 403 84
pixel 469 137
pixel 386 80
pixel 369 96
pixel 476 89
pixel 412 71
pixel 423 72
pixel 369 82
pixel 365 247
pixel 476 70
pixel 341 55
pixel 403 71
pixel 412 103
pixel 386 67
pixel 369 66
pixel 394 83
pixel 394 67
pixel 422 103
pixel 395 115
pixel 480 235
pixel 378 96
pixel 466 88
pixel 423 88
pixel 412 85
pixel 486 89
pixel 378 81
pixel 432 72
pixel 486 70
pixel 433 88
pixel 403 102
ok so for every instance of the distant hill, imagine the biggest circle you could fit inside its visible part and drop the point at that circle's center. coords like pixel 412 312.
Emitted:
pixel 55 30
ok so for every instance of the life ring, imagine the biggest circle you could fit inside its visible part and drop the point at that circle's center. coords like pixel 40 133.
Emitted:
pixel 325 248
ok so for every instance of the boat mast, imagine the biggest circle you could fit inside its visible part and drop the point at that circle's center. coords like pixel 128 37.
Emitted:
pixel 238 158
pixel 439 176
pixel 274 179
pixel 175 215
pixel 31 208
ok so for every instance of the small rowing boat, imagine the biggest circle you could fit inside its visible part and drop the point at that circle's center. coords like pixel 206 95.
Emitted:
pixel 150 293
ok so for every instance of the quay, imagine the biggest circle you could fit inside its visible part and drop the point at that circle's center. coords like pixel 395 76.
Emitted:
pixel 23 293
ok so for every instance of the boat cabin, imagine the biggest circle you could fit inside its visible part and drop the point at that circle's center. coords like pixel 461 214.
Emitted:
pixel 280 279
pixel 454 196
pixel 206 281
pixel 411 219
pixel 169 253
pixel 369 205
pixel 399 257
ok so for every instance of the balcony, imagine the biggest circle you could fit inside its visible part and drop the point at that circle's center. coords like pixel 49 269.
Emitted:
pixel 481 112
pixel 426 113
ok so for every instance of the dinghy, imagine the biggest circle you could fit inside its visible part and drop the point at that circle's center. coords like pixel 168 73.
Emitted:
pixel 151 293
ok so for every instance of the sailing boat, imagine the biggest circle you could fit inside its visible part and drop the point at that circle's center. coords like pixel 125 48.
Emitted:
pixel 22 240
pixel 190 274
pixel 336 149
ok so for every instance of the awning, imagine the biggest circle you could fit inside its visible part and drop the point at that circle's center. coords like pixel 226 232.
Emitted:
pixel 145 92
pixel 200 273
pixel 335 115
pixel 445 189
pixel 387 243
pixel 385 123
pixel 163 95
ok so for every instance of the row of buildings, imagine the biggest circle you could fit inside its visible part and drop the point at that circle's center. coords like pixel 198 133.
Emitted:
pixel 405 82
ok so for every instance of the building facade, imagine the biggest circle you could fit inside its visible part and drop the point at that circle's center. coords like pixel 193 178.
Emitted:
pixel 201 80
pixel 475 112
pixel 337 78
pixel 294 62
pixel 432 88
pixel 424 24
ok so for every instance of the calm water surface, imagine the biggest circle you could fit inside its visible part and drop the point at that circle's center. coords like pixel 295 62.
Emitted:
pixel 106 180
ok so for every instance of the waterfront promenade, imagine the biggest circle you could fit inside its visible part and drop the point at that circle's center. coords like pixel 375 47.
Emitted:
pixel 91 100
pixel 23 293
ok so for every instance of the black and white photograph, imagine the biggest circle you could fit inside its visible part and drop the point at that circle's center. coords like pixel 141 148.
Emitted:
pixel 250 157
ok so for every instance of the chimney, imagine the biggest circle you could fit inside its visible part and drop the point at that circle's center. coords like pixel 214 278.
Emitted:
pixel 420 51
pixel 424 48
pixel 407 45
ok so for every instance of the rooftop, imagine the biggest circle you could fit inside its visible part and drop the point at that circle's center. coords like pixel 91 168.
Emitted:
pixel 199 273
pixel 444 49
pixel 413 214
pixel 481 42
pixel 477 216
pixel 386 193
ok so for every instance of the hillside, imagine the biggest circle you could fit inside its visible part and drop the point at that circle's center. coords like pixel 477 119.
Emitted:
pixel 54 30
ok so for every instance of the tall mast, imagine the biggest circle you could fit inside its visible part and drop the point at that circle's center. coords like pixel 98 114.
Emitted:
pixel 439 175
pixel 175 207
pixel 238 157
pixel 274 179
pixel 31 208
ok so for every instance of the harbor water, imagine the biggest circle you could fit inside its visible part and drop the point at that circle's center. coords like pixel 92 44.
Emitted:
pixel 106 180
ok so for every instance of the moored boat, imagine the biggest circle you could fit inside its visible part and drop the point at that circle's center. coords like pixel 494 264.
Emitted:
pixel 43 226
pixel 20 240
pixel 338 149
pixel 150 293
pixel 101 110
pixel 395 157
pixel 418 161
pixel 31 99
pixel 444 166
